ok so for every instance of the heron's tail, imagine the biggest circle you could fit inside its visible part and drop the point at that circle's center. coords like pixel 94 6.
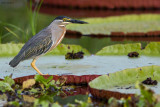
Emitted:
pixel 15 61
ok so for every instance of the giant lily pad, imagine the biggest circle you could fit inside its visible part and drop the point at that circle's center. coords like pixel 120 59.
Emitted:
pixel 152 49
pixel 89 65
pixel 127 24
pixel 120 49
pixel 122 82
pixel 12 49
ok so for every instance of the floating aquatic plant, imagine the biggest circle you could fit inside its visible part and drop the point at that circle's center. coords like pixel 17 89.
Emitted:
pixel 125 24
pixel 12 49
pixel 152 49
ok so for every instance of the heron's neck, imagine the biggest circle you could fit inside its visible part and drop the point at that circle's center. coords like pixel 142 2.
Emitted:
pixel 55 26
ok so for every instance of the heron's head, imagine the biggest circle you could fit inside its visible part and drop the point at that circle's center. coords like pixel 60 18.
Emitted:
pixel 64 20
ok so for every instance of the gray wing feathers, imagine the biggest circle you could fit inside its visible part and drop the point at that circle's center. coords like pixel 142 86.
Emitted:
pixel 37 45
pixel 40 46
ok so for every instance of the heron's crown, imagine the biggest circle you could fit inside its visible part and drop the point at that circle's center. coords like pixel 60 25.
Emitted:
pixel 69 20
pixel 62 18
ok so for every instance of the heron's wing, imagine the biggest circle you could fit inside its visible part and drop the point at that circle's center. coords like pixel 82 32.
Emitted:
pixel 37 46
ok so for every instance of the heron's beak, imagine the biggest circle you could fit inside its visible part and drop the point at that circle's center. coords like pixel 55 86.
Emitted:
pixel 78 21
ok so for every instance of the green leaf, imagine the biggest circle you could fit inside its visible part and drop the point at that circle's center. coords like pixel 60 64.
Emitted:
pixel 53 84
pixel 56 105
pixel 14 103
pixel 46 82
pixel 33 90
pixel 12 32
pixel 44 101
pixel 49 79
pixel 5 86
pixel 82 103
pixel 41 79
pixel 9 80
pixel 146 97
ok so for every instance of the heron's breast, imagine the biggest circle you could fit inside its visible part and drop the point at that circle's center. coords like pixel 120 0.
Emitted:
pixel 57 37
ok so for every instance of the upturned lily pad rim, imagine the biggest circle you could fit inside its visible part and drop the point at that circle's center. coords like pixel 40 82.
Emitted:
pixel 70 79
pixel 100 86
pixel 125 77
pixel 106 94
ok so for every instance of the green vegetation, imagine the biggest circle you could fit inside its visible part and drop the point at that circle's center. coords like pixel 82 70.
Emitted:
pixel 49 82
pixel 6 84
pixel 44 96
pixel 46 88
pixel 20 24
pixel 21 35
pixel 146 98
pixel 33 15
pixel 37 92
pixel 127 23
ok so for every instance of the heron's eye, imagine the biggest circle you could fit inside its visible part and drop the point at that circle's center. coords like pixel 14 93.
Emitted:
pixel 65 19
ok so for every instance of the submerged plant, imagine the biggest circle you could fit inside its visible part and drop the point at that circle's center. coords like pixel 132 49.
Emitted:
pixel 6 84
pixel 42 90
pixel 146 97
pixel 49 82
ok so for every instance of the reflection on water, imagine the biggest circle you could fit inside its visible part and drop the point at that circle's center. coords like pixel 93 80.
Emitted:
pixel 92 12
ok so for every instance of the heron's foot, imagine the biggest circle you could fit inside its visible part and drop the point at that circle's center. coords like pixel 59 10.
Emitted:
pixel 34 66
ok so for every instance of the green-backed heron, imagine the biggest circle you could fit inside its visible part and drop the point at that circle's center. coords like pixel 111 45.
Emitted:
pixel 44 41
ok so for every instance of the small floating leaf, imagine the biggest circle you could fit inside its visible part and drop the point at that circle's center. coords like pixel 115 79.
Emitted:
pixel 28 98
pixel 28 83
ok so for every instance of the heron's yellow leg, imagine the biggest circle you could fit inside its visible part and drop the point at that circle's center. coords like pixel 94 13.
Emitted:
pixel 34 66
